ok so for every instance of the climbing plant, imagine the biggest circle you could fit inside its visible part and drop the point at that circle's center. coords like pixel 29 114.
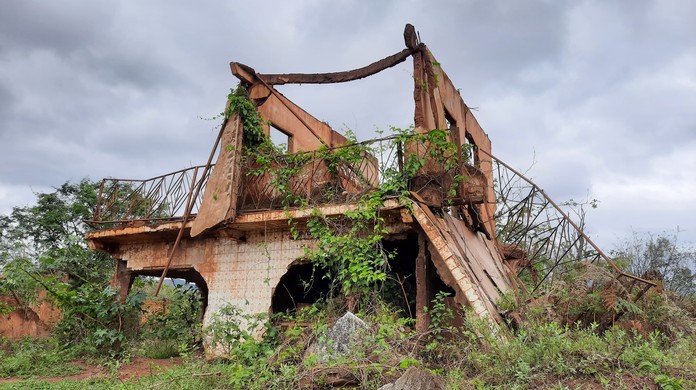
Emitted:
pixel 238 102
pixel 349 246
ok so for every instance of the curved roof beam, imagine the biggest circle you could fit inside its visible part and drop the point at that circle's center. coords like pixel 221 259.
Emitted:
pixel 247 74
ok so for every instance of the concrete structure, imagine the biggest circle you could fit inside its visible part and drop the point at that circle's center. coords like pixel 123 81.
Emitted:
pixel 233 238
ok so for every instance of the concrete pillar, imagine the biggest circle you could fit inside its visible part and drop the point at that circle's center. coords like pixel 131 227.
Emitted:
pixel 123 279
pixel 422 286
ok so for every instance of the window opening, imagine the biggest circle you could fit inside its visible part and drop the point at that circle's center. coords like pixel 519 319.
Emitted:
pixel 281 139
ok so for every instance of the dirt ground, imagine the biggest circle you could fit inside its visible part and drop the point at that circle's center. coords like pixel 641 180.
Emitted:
pixel 137 367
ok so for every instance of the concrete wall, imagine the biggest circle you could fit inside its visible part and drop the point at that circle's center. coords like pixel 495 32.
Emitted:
pixel 37 320
pixel 243 274
pixel 291 119
pixel 435 96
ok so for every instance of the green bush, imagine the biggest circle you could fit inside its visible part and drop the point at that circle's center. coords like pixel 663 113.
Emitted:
pixel 94 316
pixel 176 327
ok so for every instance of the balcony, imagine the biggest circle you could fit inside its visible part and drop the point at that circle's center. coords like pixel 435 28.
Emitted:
pixel 307 179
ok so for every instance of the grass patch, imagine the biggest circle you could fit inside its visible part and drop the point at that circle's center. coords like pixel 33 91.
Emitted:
pixel 540 354
pixel 30 358
pixel 159 349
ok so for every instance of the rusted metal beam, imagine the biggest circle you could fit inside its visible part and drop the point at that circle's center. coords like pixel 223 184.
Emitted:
pixel 156 177
pixel 189 201
pixel 189 205
pixel 422 319
pixel 328 78
pixel 249 75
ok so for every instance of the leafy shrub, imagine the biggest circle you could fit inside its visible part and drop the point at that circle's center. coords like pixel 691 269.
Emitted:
pixel 234 333
pixel 94 316
pixel 176 326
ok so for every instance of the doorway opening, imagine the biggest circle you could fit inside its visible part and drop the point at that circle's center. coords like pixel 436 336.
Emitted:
pixel 301 286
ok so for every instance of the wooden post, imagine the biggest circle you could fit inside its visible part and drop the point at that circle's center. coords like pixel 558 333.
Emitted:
pixel 422 286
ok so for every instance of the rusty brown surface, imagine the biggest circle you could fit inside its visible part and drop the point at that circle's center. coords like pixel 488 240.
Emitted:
pixel 454 264
pixel 339 77
pixel 242 250
pixel 422 297
pixel 247 74
pixel 33 320
pixel 220 197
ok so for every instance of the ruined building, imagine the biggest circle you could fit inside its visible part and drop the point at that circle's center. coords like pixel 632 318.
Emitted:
pixel 469 228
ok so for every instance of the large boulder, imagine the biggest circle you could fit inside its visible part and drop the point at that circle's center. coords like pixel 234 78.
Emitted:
pixel 339 339
pixel 415 379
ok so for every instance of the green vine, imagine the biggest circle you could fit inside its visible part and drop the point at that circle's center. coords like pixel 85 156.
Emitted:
pixel 348 247
pixel 238 102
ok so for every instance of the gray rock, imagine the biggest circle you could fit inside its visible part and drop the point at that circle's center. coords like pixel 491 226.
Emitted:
pixel 415 379
pixel 339 339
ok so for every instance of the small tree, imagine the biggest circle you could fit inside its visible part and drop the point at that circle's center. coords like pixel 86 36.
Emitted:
pixel 43 247
pixel 646 253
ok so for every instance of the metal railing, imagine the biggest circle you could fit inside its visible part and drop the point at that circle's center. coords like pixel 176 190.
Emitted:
pixel 159 199
pixel 532 229
pixel 277 181
pixel 313 178
pixel 540 235
pixel 535 234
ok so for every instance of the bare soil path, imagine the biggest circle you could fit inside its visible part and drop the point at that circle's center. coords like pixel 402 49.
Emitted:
pixel 137 367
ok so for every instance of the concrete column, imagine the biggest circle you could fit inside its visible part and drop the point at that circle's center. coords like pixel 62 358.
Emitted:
pixel 123 279
pixel 422 286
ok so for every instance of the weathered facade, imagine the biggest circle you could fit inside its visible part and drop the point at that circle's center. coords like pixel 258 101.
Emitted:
pixel 226 230
pixel 35 320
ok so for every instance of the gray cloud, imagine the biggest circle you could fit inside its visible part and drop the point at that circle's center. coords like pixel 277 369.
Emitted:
pixel 59 27
pixel 599 94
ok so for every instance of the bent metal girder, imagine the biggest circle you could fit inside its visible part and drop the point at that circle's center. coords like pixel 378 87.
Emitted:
pixel 548 242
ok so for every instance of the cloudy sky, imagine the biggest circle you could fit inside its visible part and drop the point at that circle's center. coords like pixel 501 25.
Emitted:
pixel 598 97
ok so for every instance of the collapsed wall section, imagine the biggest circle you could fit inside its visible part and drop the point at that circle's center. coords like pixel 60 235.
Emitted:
pixel 32 320
pixel 466 261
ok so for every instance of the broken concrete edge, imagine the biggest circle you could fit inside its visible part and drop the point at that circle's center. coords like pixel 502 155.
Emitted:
pixel 220 196
pixel 451 269
pixel 242 222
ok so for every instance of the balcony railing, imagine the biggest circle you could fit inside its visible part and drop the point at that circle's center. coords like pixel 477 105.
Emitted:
pixel 159 199
pixel 277 181
pixel 540 238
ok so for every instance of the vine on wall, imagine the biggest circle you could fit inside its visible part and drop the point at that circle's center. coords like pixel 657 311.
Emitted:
pixel 348 247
